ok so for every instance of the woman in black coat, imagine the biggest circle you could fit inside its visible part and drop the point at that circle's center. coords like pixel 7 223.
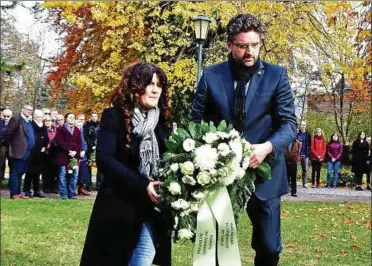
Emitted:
pixel 359 151
pixel 37 159
pixel 123 228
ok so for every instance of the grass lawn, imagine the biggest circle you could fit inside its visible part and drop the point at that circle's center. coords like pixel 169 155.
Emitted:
pixel 52 232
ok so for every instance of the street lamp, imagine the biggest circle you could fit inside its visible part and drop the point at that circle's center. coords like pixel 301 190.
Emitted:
pixel 201 24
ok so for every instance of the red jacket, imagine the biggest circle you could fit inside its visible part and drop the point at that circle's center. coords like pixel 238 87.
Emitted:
pixel 67 142
pixel 318 148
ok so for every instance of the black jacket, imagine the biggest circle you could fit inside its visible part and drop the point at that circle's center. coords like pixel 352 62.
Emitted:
pixel 121 205
pixel 37 160
pixel 360 154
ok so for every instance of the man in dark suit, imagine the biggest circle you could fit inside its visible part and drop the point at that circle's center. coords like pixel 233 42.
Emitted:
pixel 7 114
pixel 20 138
pixel 257 99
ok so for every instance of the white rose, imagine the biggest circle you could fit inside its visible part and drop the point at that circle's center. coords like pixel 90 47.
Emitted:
pixel 188 145
pixel 228 180
pixel 245 163
pixel 180 204
pixel 174 188
pixel 185 213
pixel 206 157
pixel 223 149
pixel 174 167
pixel 194 207
pixel 203 178
pixel 188 180
pixel 222 135
pixel 185 233
pixel 236 147
pixel 213 172
pixel 240 173
pixel 234 134
pixel 198 195
pixel 210 137
pixel 187 168
pixel 223 172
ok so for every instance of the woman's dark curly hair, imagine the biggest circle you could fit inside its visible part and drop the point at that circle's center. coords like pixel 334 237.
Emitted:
pixel 135 79
pixel 331 139
pixel 244 23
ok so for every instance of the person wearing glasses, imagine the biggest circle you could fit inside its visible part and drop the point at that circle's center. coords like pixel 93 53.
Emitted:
pixel 4 121
pixel 20 139
pixel 256 98
pixel 68 138
pixel 46 111
pixel 51 170
pixel 37 157
pixel 60 121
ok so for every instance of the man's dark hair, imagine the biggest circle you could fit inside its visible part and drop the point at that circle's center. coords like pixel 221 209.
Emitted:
pixel 244 23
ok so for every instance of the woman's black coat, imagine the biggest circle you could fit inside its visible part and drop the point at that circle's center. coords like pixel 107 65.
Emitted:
pixel 37 160
pixel 122 204
pixel 360 152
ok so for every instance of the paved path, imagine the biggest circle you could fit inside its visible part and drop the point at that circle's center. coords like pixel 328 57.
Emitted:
pixel 329 194
pixel 310 194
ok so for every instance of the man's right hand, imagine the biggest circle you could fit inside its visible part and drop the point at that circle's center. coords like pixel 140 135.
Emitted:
pixel 72 153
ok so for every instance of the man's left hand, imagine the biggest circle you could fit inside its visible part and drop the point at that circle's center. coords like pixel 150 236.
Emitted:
pixel 259 153
pixel 82 154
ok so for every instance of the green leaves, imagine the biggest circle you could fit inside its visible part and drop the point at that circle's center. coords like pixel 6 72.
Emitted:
pixel 264 171
pixel 222 126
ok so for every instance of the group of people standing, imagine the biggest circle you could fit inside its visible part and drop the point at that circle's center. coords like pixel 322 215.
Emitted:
pixel 43 143
pixel 315 149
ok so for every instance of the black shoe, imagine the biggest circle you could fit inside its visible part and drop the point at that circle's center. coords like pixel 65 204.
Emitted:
pixel 46 190
pixel 328 186
pixel 28 194
pixel 359 188
pixel 368 187
pixel 38 195
pixel 54 191
pixel 294 195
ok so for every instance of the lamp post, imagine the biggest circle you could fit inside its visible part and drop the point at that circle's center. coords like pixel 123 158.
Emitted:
pixel 201 24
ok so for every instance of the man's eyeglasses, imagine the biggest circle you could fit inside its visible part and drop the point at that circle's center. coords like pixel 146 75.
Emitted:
pixel 46 113
pixel 245 46
pixel 7 116
pixel 28 109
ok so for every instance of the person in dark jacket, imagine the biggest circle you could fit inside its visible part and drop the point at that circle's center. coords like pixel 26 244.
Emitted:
pixel 334 153
pixel 305 138
pixel 368 168
pixel 37 158
pixel 83 175
pixel 69 143
pixel 359 150
pixel 20 139
pixel 123 228
pixel 292 157
pixel 91 132
pixel 7 114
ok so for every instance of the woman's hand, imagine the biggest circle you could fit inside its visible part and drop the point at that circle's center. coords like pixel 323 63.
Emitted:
pixel 151 193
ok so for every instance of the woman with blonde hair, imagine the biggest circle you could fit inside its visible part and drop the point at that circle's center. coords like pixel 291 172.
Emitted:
pixel 318 151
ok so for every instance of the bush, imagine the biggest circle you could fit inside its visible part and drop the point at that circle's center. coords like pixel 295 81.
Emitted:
pixel 346 178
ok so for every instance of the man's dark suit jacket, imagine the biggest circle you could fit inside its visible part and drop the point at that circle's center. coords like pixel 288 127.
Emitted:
pixel 16 137
pixel 270 114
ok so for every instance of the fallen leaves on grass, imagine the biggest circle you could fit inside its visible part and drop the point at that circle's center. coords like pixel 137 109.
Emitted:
pixel 320 234
pixel 347 220
pixel 355 246
pixel 343 251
